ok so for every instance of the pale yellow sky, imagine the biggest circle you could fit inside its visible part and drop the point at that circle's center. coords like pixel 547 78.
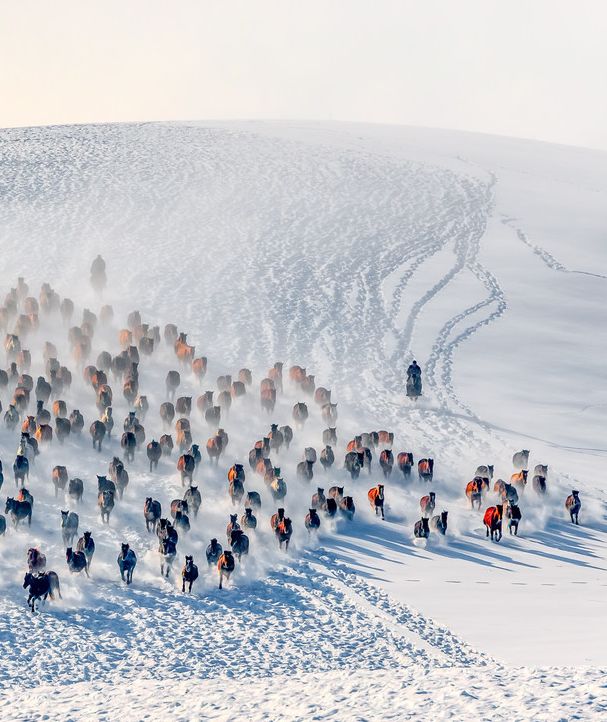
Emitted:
pixel 535 69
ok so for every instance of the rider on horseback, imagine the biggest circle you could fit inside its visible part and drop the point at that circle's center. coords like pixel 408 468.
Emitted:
pixel 414 380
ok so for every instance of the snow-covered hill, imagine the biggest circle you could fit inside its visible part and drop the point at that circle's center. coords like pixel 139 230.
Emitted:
pixel 349 250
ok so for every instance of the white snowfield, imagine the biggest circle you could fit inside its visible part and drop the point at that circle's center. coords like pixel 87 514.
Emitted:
pixel 350 250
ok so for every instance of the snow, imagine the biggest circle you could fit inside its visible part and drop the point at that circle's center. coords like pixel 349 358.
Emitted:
pixel 348 249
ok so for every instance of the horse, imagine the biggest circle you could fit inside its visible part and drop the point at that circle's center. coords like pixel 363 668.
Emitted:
pixel 154 452
pixel 165 530
pixel 182 521
pixel 484 472
pixel 506 491
pixel 167 549
pixel 199 368
pixel 276 438
pixel 205 401
pixel 186 465
pixel 179 505
pixel 305 470
pixel 69 527
pixel 183 406
pixel 421 530
pixel 41 586
pixel 541 470
pixel 127 561
pixel 318 498
pixel 167 413
pixel 184 438
pixel 36 560
pixel 170 334
pixel 75 489
pixel 214 449
pixel 248 520
pixel 213 552
pixel 376 499
pixel 520 460
pixel 284 530
pixel 44 433
pixel 105 502
pixel 213 416
pixel 385 439
pixel 225 567
pixel 300 414
pixel 519 480
pixel 18 510
pixel 189 573
pixel 119 475
pixel 327 457
pixel 328 413
pixel 105 484
pixel 59 478
pixel 97 431
pixel 405 461
pixel 353 463
pixel 322 396
pixel 86 545
pixel 239 542
pixel 439 523
pixel 513 514
pixel 386 462
pixel 235 489
pixel 425 469
pixel 152 511
pixel 63 428
pixel 329 436
pixel 346 507
pixel 275 373
pixel 427 504
pixel 329 507
pixel 184 352
pixel 76 420
pixel 253 500
pixel 474 491
pixel 539 485
pixel 108 420
pixel 278 488
pixel 193 499
pixel 493 521
pixel 276 518
pixel 573 505
pixel 166 444
pixel 76 561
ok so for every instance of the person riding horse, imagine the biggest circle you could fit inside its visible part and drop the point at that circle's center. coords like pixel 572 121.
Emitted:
pixel 414 380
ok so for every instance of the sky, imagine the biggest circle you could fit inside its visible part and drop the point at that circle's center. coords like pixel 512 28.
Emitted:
pixel 534 69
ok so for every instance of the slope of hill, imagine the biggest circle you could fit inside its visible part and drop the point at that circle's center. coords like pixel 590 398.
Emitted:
pixel 347 249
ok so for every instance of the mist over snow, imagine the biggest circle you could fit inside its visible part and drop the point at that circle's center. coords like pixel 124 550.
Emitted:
pixel 350 250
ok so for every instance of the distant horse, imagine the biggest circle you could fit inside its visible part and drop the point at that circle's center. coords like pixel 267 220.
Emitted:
pixel 427 504
pixel 573 505
pixel 186 465
pixel 312 520
pixel 404 461
pixel 493 521
pixel 127 560
pixel 386 461
pixel 474 492
pixel 193 499
pixel 318 498
pixel 152 511
pixel 189 574
pixel 19 511
pixel 225 567
pixel 425 469
pixel 513 514
pixel 284 530
pixel 213 552
pixel 520 460
pixel 439 523
pixel 421 530
pixel 376 499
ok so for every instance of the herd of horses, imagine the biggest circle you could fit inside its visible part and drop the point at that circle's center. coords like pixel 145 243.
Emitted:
pixel 22 316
